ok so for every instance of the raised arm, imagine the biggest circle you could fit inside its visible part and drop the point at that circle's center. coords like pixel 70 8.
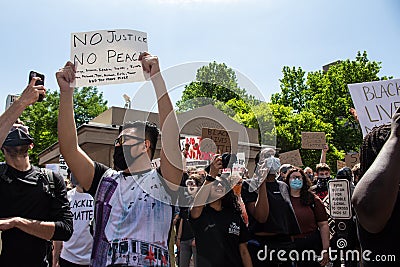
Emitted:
pixel 323 154
pixel 171 158
pixel 260 208
pixel 29 96
pixel 380 182
pixel 78 161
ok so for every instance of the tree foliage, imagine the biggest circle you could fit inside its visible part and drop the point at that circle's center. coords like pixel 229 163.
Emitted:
pixel 41 117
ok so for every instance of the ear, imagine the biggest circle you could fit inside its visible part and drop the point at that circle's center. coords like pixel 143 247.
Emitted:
pixel 31 146
pixel 147 144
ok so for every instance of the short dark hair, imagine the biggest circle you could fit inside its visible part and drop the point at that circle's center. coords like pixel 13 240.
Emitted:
pixel 149 129
pixel 322 167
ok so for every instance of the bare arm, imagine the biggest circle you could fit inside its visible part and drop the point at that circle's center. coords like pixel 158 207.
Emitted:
pixel 56 253
pixel 381 181
pixel 324 232
pixel 29 96
pixel 44 230
pixel 323 154
pixel 78 161
pixel 171 156
pixel 245 255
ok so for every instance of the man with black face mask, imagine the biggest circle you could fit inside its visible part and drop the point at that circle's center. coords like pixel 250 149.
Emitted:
pixel 133 211
pixel 324 174
pixel 34 208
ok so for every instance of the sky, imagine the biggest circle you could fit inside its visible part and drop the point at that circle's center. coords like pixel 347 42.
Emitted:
pixel 256 38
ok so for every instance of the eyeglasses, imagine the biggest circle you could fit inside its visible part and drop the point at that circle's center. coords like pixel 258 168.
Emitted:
pixel 296 177
pixel 123 138
pixel 20 126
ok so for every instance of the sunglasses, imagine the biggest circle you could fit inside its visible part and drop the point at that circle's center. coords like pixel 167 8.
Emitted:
pixel 123 138
pixel 20 126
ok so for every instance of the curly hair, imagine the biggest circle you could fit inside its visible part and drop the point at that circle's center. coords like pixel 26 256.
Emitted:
pixel 306 197
pixel 372 144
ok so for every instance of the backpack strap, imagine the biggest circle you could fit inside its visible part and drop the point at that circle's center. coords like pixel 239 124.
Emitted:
pixel 49 177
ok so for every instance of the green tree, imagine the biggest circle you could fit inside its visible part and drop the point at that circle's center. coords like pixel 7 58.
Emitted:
pixel 214 82
pixel 41 117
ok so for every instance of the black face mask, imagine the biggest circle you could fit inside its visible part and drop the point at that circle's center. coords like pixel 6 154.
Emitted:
pixel 122 156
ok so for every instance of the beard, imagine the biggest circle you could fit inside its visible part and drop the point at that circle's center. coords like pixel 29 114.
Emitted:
pixel 17 151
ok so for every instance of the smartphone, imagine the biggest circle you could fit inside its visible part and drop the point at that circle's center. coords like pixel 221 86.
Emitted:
pixel 33 74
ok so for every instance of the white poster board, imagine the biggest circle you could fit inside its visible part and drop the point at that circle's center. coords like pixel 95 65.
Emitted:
pixel 339 199
pixel 63 167
pixel 375 102
pixel 108 56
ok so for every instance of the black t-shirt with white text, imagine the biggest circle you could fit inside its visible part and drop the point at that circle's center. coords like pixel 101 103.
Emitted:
pixel 218 235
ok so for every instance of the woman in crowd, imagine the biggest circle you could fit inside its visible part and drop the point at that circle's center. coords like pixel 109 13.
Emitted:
pixel 220 232
pixel 312 219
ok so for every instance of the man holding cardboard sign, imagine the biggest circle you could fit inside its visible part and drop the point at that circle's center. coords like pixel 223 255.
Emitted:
pixel 133 211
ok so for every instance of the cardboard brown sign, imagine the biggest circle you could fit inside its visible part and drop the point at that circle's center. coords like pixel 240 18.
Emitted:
pixel 291 157
pixel 219 140
pixel 352 159
pixel 313 140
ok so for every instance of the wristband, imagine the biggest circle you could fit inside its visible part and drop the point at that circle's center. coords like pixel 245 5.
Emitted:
pixel 210 178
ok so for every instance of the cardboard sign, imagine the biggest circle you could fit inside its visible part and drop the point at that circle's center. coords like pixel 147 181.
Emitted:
pixel 375 102
pixel 340 164
pixel 219 141
pixel 292 157
pixel 352 159
pixel 108 56
pixel 313 140
pixel 339 199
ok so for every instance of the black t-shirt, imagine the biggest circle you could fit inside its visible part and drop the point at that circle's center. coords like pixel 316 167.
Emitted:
pixel 218 235
pixel 384 243
pixel 187 232
pixel 281 218
pixel 30 201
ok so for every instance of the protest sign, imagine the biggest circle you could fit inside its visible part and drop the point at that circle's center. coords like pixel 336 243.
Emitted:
pixel 375 102
pixel 352 159
pixel 340 164
pixel 108 56
pixel 219 141
pixel 339 199
pixel 63 167
pixel 291 157
pixel 313 140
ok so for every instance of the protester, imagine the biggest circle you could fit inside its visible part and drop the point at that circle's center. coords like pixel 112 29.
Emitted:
pixel 34 208
pixel 272 220
pixel 220 233
pixel 133 211
pixel 185 238
pixel 312 218
pixel 323 176
pixel 376 197
pixel 310 175
pixel 76 251
pixel 356 173
pixel 283 171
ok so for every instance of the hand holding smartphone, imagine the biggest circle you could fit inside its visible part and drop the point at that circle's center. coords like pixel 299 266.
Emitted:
pixel 33 74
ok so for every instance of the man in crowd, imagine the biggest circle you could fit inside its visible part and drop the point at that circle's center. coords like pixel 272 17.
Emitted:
pixel 133 207
pixel 34 208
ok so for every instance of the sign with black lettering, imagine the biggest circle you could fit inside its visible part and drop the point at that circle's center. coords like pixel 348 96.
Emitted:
pixel 219 141
pixel 339 199
pixel 108 56
pixel 291 157
pixel 352 159
pixel 375 102
pixel 63 167
pixel 313 140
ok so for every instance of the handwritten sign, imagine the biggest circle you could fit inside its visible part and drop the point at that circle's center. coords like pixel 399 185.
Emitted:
pixel 313 140
pixel 375 102
pixel 63 167
pixel 339 199
pixel 352 159
pixel 224 141
pixel 291 157
pixel 340 164
pixel 108 56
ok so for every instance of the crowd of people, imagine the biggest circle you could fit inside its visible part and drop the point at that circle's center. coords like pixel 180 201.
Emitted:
pixel 131 214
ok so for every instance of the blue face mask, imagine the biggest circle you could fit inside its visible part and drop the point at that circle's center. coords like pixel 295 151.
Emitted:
pixel 296 184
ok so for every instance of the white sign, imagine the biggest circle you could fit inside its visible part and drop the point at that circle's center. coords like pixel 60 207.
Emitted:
pixel 63 167
pixel 339 199
pixel 108 56
pixel 375 102
pixel 155 163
